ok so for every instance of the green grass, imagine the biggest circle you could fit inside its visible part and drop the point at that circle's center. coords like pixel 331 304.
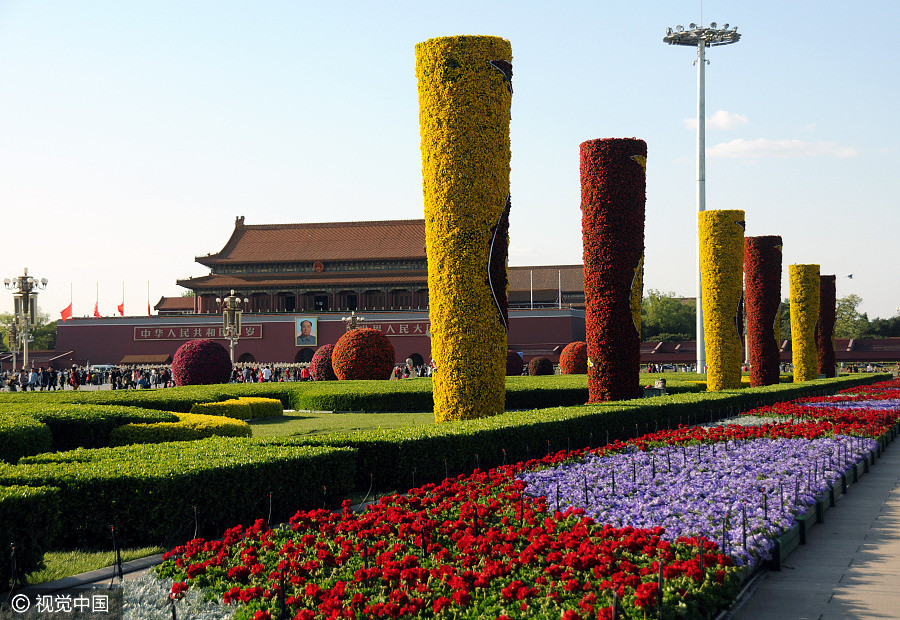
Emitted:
pixel 324 423
pixel 60 564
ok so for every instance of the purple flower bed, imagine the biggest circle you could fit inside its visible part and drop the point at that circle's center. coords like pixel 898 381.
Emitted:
pixel 744 494
pixel 888 404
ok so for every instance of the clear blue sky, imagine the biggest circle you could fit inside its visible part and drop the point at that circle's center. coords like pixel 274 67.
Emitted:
pixel 132 133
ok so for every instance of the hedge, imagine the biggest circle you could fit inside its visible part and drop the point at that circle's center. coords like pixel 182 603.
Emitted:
pixel 242 408
pixel 189 427
pixel 29 517
pixel 22 435
pixel 149 491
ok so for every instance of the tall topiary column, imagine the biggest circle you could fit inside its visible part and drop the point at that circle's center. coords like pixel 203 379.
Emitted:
pixel 825 325
pixel 613 194
pixel 762 289
pixel 721 271
pixel 804 294
pixel 465 92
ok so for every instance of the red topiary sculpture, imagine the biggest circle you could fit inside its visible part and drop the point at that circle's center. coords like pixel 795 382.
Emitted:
pixel 320 368
pixel 540 366
pixel 573 359
pixel 201 362
pixel 363 354
pixel 514 364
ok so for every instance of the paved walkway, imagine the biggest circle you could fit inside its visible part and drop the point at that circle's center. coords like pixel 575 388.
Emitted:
pixel 850 566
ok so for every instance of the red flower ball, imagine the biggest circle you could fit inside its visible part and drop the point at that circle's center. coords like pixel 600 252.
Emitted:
pixel 540 366
pixel 320 367
pixel 514 364
pixel 573 359
pixel 201 362
pixel 363 354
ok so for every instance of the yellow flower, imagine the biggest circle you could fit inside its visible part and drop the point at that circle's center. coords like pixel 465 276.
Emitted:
pixel 464 115
pixel 721 275
pixel 804 292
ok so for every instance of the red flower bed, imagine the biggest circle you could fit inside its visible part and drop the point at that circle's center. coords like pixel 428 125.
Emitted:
pixel 613 188
pixel 363 354
pixel 825 325
pixel 573 359
pixel 201 362
pixel 762 290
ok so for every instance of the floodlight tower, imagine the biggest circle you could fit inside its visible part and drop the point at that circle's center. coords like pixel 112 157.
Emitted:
pixel 701 38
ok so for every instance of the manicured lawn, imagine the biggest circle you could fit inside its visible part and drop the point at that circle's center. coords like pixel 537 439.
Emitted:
pixel 324 423
pixel 61 564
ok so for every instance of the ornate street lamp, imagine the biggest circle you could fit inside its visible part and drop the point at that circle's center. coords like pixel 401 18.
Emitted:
pixel 232 308
pixel 352 322
pixel 701 38
pixel 13 333
pixel 25 294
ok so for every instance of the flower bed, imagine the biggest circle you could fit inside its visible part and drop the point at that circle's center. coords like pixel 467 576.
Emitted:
pixel 554 537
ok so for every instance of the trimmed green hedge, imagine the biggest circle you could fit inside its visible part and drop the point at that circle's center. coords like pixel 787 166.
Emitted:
pixel 29 517
pixel 263 407
pixel 148 491
pixel 22 435
pixel 243 408
pixel 189 427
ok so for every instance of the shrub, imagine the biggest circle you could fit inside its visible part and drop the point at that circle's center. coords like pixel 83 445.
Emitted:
pixel 320 367
pixel 573 359
pixel 201 362
pixel 263 407
pixel 540 366
pixel 514 364
pixel 22 435
pixel 233 408
pixel 29 516
pixel 190 426
pixel 363 354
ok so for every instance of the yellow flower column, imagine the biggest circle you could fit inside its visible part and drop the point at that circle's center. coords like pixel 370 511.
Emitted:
pixel 465 93
pixel 804 294
pixel 721 276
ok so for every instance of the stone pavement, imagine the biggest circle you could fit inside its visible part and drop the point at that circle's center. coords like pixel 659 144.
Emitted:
pixel 850 566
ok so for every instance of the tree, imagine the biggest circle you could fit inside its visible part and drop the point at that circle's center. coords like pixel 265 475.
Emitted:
pixel 667 317
pixel 41 338
pixel 785 313
pixel 849 323
pixel 883 328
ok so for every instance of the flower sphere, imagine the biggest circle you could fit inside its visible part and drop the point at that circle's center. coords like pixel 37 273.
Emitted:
pixel 573 359
pixel 363 354
pixel 320 367
pixel 540 366
pixel 201 362
pixel 514 364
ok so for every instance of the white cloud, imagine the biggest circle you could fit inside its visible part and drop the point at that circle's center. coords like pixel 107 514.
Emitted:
pixel 720 120
pixel 762 148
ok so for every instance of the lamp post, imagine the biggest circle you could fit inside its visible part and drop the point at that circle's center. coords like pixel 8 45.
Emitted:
pixel 25 294
pixel 232 308
pixel 352 322
pixel 701 38
pixel 13 333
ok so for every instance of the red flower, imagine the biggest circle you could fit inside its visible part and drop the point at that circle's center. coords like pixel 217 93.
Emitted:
pixel 178 590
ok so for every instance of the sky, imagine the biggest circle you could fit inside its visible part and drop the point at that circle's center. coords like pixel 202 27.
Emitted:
pixel 133 133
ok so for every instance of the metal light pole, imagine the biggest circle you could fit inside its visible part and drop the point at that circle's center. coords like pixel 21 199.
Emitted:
pixel 232 308
pixel 25 289
pixel 701 38
pixel 13 333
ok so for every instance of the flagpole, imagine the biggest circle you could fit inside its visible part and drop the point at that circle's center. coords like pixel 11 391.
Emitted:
pixel 148 297
pixel 532 288
pixel 559 283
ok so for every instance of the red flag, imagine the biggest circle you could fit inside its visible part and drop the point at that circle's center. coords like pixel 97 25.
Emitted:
pixel 121 309
pixel 66 313
pixel 96 310
pixel 148 308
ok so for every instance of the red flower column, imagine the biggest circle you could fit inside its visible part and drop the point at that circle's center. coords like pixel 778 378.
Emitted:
pixel 762 292
pixel 825 325
pixel 613 193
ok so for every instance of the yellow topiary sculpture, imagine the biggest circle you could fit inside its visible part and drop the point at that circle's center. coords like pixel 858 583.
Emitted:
pixel 804 292
pixel 465 92
pixel 721 276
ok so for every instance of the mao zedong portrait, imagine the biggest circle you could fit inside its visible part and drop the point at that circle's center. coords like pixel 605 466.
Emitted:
pixel 306 336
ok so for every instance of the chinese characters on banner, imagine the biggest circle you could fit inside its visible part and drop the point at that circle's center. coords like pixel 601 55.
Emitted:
pixel 402 328
pixel 190 332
